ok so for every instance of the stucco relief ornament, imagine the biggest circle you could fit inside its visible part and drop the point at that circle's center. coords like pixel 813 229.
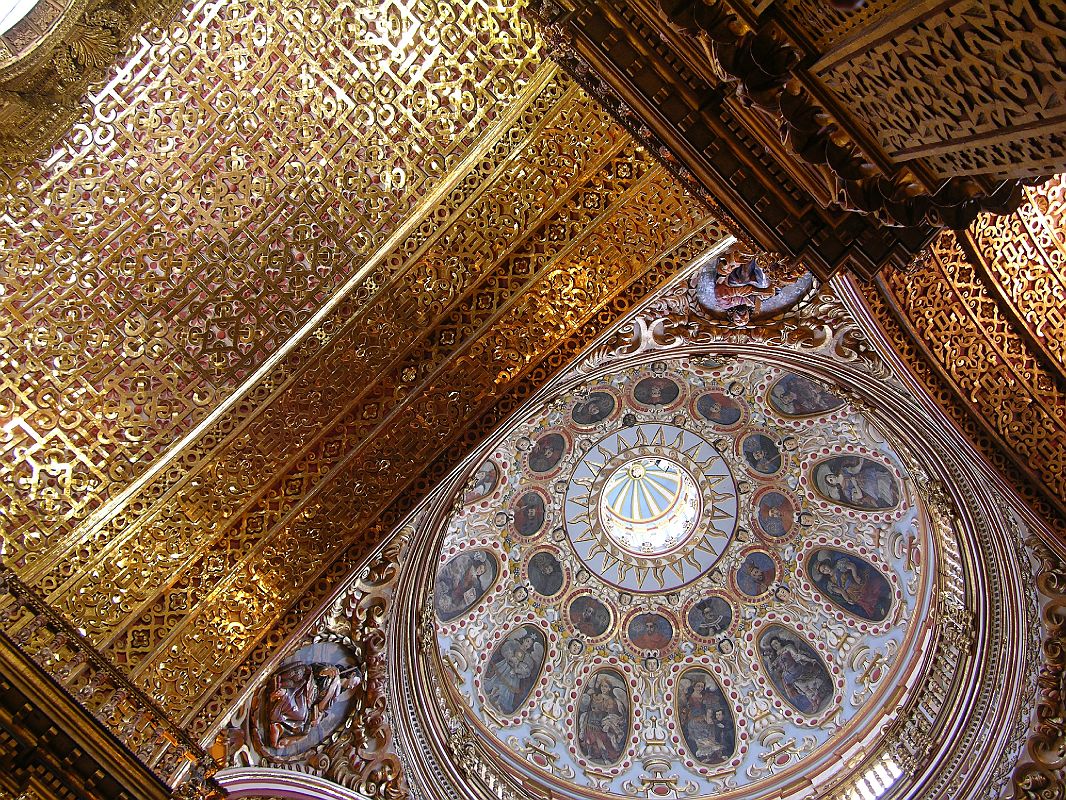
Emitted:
pixel 745 287
pixel 322 710
pixel 305 700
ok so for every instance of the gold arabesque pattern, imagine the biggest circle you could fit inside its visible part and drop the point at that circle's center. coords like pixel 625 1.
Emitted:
pixel 550 214
pixel 236 173
pixel 969 337
pixel 1024 257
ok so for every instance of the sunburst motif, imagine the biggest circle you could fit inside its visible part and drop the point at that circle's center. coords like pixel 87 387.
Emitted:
pixel 651 507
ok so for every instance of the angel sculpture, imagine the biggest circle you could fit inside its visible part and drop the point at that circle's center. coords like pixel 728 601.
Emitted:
pixel 743 286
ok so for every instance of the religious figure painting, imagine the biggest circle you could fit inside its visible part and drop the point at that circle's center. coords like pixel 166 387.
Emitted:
pixel 656 391
pixel 603 717
pixel 529 513
pixel 462 582
pixel 744 288
pixel 589 616
pixel 710 616
pixel 705 717
pixel 650 631
pixel 307 699
pixel 756 573
pixel 547 452
pixel 594 408
pixel 545 574
pixel 776 514
pixel 795 396
pixel 483 482
pixel 719 408
pixel 795 669
pixel 851 583
pixel 857 482
pixel 761 453
pixel 514 668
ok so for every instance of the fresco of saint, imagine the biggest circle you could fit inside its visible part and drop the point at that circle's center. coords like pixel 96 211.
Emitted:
pixel 304 701
pixel 529 513
pixel 705 718
pixel 589 616
pixel 851 583
pixel 795 396
pixel 650 631
pixel 594 408
pixel 656 391
pixel 776 515
pixel 603 717
pixel 857 482
pixel 462 582
pixel 756 573
pixel 483 482
pixel 710 616
pixel 719 409
pixel 547 452
pixel 545 574
pixel 761 453
pixel 795 669
pixel 514 668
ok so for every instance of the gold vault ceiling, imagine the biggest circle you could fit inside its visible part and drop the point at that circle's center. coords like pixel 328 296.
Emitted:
pixel 455 209
pixel 982 325
pixel 297 261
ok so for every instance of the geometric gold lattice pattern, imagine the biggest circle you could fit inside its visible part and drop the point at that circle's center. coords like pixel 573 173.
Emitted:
pixel 235 173
pixel 1024 257
pixel 303 271
pixel 986 312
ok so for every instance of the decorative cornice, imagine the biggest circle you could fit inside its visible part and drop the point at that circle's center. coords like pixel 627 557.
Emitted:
pixel 43 85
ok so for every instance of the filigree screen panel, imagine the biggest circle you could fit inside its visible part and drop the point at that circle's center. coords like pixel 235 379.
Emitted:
pixel 235 173
pixel 979 351
pixel 944 84
pixel 1024 257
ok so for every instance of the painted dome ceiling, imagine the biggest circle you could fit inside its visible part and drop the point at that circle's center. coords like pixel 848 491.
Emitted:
pixel 688 577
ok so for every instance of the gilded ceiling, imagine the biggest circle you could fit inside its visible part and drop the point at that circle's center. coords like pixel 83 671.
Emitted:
pixel 982 322
pixel 269 284
pixel 293 263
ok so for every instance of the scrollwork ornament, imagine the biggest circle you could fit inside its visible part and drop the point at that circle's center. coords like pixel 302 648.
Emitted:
pixel 200 783
pixel 1044 776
